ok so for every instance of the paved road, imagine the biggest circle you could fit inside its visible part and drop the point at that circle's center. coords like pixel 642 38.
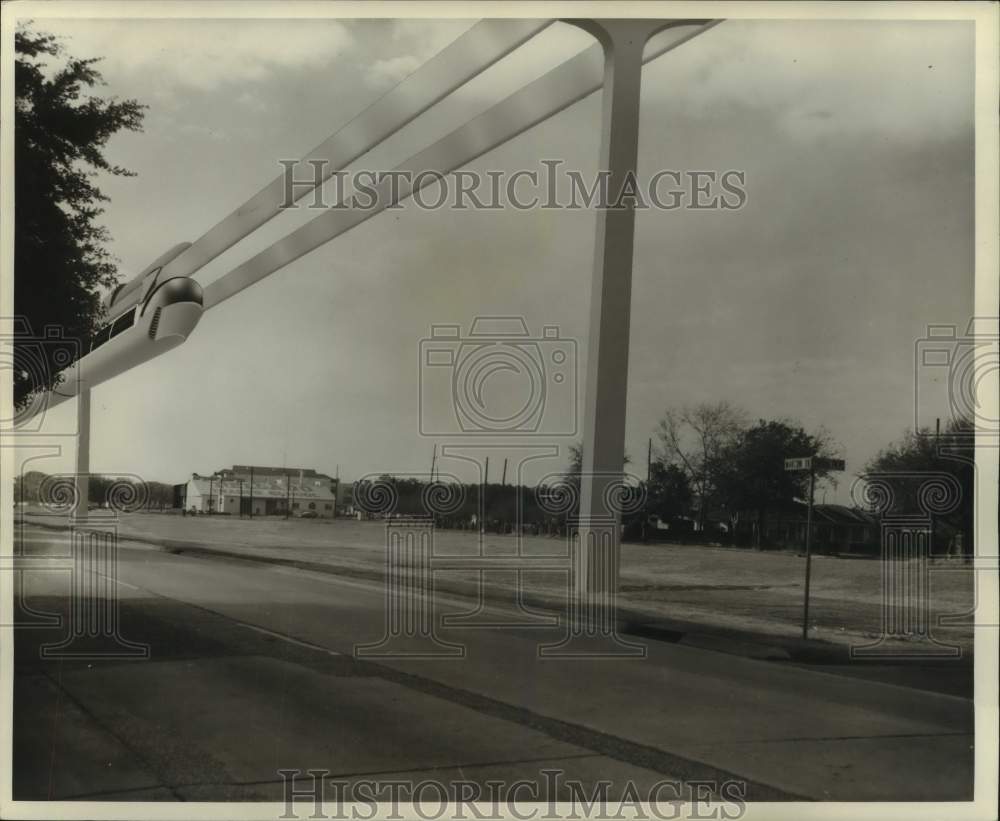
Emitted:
pixel 252 670
pixel 694 587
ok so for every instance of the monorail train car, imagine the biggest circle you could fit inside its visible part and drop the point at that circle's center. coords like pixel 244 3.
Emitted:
pixel 146 317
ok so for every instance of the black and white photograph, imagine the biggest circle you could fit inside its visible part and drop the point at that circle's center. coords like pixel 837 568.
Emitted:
pixel 499 410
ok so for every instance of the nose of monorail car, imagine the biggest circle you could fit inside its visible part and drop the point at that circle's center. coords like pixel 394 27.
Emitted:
pixel 150 319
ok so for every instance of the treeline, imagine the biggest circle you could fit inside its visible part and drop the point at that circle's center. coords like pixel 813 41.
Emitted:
pixel 928 472
pixel 732 469
pixel 710 467
pixel 714 474
pixel 122 493
pixel 718 471
pixel 494 507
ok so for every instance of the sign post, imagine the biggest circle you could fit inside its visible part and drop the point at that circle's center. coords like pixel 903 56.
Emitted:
pixel 809 533
pixel 810 463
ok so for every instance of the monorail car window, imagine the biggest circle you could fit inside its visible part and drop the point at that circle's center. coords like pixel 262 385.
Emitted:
pixel 123 323
pixel 100 337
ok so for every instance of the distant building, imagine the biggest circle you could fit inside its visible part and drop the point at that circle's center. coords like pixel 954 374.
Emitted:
pixel 345 498
pixel 836 529
pixel 262 491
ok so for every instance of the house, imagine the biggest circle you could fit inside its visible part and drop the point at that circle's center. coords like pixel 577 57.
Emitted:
pixel 836 529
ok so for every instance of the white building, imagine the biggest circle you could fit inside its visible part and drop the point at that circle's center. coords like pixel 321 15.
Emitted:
pixel 262 491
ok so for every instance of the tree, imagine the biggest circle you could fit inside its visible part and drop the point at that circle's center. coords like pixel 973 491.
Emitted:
pixel 575 468
pixel 694 439
pixel 60 258
pixel 669 492
pixel 921 453
pixel 752 476
pixel 34 487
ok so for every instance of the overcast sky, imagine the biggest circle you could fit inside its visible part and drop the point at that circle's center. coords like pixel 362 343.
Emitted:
pixel 857 143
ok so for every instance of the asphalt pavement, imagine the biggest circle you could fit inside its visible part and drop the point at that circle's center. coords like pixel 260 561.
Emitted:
pixel 252 670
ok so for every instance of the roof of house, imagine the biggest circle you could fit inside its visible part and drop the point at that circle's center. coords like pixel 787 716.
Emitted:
pixel 261 470
pixel 833 514
pixel 313 488
pixel 841 514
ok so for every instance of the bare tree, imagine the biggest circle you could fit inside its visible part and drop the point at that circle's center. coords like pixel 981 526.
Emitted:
pixel 695 438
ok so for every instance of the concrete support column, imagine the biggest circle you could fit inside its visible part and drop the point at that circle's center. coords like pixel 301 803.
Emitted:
pixel 610 309
pixel 81 478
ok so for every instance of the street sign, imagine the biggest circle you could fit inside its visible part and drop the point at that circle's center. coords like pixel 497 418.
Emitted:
pixel 819 463
pixel 812 465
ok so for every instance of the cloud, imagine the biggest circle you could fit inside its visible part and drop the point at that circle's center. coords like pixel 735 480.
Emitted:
pixel 252 101
pixel 391 71
pixel 899 79
pixel 425 38
pixel 411 43
pixel 202 54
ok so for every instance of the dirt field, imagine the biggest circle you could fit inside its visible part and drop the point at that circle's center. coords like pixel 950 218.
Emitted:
pixel 719 587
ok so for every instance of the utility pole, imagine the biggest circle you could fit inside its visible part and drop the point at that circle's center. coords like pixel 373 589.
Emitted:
pixel 809 520
pixel 937 452
pixel 241 498
pixel 486 479
pixel 645 501
pixel 503 484
pixel 211 496
pixel 336 489
pixel 251 491
pixel 288 492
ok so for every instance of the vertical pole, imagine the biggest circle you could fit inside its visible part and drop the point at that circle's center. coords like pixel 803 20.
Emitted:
pixel 211 494
pixel 241 498
pixel 251 491
pixel 595 540
pixel 809 520
pixel 288 494
pixel 937 452
pixel 611 284
pixel 503 493
pixel 82 477
pixel 649 478
pixel 486 479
